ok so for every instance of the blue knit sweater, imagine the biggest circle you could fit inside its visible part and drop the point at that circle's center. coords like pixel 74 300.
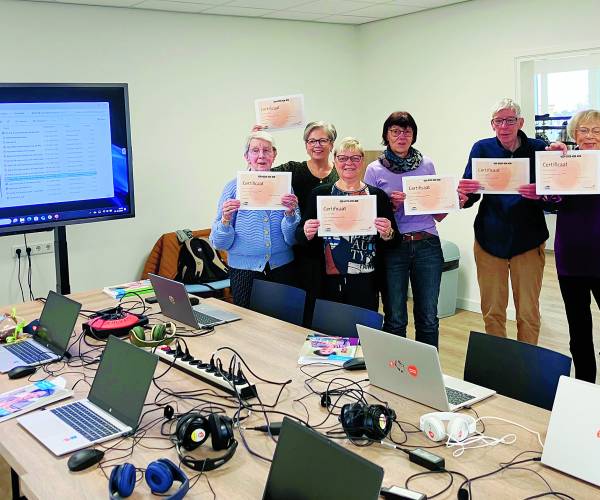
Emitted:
pixel 254 237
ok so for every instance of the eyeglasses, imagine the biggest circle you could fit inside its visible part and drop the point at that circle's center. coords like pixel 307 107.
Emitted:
pixel 397 131
pixel 314 142
pixel 508 121
pixel 353 159
pixel 585 131
pixel 258 151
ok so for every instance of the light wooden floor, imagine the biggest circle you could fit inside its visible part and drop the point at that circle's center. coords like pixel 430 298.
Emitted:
pixel 454 333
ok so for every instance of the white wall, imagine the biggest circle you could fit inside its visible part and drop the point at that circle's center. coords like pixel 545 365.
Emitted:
pixel 193 79
pixel 448 67
pixel 192 83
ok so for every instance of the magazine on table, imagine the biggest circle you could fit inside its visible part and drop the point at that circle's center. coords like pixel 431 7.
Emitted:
pixel 24 399
pixel 141 287
pixel 323 349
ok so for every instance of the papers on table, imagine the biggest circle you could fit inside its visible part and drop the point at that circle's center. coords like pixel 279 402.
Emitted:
pixel 347 215
pixel 262 190
pixel 430 194
pixel 501 175
pixel 576 172
pixel 280 112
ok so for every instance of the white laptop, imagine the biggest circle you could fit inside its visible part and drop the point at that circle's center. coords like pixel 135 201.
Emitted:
pixel 51 339
pixel 112 408
pixel 412 370
pixel 175 304
pixel 573 438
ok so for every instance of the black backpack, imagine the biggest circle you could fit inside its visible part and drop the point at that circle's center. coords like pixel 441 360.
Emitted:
pixel 199 263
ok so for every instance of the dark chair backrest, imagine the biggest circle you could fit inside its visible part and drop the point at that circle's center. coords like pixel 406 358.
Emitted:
pixel 334 318
pixel 515 369
pixel 279 301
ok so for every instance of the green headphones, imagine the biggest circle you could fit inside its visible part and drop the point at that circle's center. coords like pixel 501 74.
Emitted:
pixel 161 334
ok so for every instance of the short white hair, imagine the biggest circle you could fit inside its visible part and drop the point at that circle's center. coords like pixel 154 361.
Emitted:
pixel 587 115
pixel 264 136
pixel 507 103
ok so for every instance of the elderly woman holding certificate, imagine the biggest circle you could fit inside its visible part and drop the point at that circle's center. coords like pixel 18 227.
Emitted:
pixel 355 223
pixel 258 242
pixel 417 254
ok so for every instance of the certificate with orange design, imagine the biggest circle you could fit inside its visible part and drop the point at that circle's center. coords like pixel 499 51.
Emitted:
pixel 347 215
pixel 576 172
pixel 280 112
pixel 262 190
pixel 501 175
pixel 430 194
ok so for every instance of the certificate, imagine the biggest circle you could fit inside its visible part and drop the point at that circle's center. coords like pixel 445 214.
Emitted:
pixel 430 194
pixel 347 215
pixel 576 172
pixel 501 175
pixel 280 112
pixel 262 190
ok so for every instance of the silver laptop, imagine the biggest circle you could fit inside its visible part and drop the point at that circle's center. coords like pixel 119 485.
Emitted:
pixel 573 438
pixel 175 304
pixel 51 339
pixel 112 408
pixel 412 370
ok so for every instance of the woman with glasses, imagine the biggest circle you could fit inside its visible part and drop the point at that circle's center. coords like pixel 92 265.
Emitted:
pixel 348 263
pixel 258 242
pixel 417 253
pixel 319 137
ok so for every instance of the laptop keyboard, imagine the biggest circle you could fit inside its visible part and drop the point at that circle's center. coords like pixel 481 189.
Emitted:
pixel 27 352
pixel 457 397
pixel 85 421
pixel 205 319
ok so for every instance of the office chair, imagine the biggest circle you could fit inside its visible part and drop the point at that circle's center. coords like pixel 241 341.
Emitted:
pixel 279 301
pixel 334 318
pixel 515 369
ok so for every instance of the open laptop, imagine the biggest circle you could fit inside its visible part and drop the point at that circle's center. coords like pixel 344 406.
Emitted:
pixel 112 408
pixel 175 304
pixel 52 336
pixel 573 437
pixel 412 370
pixel 340 473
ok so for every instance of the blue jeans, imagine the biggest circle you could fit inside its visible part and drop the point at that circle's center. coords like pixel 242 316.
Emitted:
pixel 421 261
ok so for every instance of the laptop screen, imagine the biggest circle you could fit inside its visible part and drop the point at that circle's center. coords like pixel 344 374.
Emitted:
pixel 57 322
pixel 308 466
pixel 122 380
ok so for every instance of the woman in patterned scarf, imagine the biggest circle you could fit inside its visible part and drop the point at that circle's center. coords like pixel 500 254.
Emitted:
pixel 417 253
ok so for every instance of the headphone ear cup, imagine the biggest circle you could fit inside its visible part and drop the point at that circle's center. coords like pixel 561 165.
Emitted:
pixel 158 332
pixel 221 431
pixel 139 333
pixel 434 428
pixel 352 419
pixel 122 480
pixel 377 422
pixel 159 477
pixel 191 431
pixel 458 429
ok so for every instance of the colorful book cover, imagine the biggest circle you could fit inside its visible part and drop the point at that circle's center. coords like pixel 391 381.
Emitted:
pixel 141 287
pixel 30 397
pixel 321 349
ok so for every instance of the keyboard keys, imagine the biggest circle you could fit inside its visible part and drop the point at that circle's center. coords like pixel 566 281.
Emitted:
pixel 85 421
pixel 205 319
pixel 457 397
pixel 27 352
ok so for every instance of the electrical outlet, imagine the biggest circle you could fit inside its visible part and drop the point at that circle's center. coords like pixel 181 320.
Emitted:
pixel 37 248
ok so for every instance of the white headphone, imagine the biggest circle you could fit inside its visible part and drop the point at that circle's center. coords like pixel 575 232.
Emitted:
pixel 459 427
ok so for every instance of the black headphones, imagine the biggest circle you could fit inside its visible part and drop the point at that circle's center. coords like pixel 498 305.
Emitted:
pixel 372 422
pixel 193 429
pixel 160 475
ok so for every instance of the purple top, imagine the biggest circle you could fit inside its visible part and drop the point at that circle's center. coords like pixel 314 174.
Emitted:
pixel 379 176
pixel 577 241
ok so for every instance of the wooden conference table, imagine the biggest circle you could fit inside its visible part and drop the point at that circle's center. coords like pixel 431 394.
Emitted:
pixel 271 349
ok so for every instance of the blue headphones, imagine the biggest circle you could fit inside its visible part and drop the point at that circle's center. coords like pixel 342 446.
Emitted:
pixel 160 475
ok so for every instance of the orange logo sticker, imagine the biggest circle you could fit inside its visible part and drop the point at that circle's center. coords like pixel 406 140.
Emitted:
pixel 413 371
pixel 598 434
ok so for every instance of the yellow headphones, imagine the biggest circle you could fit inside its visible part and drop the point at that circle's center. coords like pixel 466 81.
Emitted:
pixel 161 334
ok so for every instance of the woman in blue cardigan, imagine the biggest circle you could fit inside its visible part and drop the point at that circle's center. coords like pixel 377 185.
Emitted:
pixel 258 242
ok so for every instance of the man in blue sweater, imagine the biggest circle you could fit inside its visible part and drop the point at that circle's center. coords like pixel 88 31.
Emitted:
pixel 510 231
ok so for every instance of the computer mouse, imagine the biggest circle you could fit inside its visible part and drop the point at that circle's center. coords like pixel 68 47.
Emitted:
pixel 83 459
pixel 21 371
pixel 355 364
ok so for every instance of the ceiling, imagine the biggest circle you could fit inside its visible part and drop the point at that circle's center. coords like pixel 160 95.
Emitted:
pixel 326 11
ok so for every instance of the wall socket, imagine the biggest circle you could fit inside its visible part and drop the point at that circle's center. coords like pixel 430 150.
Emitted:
pixel 37 248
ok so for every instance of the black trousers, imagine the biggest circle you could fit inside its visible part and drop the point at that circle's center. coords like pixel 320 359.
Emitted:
pixel 242 279
pixel 576 293
pixel 353 289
